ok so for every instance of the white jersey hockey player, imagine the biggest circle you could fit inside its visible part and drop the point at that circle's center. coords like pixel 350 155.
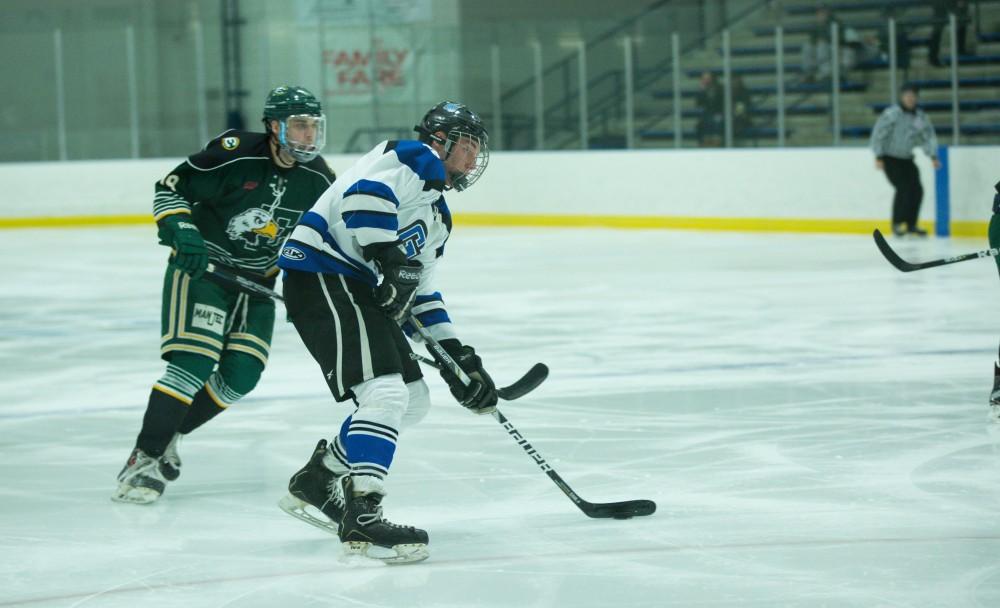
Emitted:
pixel 354 266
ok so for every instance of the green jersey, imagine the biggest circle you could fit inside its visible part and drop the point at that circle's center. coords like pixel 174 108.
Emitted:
pixel 243 203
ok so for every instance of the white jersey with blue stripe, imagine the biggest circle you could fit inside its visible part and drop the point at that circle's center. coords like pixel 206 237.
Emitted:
pixel 392 194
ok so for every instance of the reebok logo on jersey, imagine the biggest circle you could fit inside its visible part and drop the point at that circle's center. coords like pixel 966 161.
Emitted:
pixel 186 226
pixel 409 275
pixel 208 318
pixel 292 254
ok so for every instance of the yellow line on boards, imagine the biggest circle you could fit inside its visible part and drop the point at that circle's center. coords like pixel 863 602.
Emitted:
pixel 971 229
pixel 738 224
pixel 75 221
pixel 734 224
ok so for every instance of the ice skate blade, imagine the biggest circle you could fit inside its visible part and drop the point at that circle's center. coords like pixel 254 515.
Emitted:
pixel 135 495
pixel 297 509
pixel 397 554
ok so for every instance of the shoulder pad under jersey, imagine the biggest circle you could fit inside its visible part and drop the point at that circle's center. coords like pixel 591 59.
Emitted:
pixel 229 146
pixel 421 160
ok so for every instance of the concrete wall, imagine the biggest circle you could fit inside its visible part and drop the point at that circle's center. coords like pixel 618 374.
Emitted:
pixel 812 190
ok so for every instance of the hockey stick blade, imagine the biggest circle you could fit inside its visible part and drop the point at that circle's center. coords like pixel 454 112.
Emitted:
pixel 905 266
pixel 619 510
pixel 521 387
pixel 525 384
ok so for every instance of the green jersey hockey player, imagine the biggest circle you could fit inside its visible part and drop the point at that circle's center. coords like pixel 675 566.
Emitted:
pixel 994 236
pixel 231 204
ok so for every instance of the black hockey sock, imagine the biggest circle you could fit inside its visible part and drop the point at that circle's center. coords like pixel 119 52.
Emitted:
pixel 202 409
pixel 163 416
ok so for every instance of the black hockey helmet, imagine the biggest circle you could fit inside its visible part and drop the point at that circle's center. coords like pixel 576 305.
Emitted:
pixel 296 104
pixel 457 122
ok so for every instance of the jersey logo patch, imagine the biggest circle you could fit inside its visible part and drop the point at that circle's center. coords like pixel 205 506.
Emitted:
pixel 251 223
pixel 412 238
pixel 208 318
pixel 292 254
pixel 230 143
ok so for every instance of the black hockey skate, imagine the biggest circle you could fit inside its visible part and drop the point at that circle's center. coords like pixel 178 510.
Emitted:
pixel 140 481
pixel 364 531
pixel 995 394
pixel 170 462
pixel 315 485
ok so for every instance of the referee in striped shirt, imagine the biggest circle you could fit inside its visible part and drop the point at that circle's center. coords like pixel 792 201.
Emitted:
pixel 902 127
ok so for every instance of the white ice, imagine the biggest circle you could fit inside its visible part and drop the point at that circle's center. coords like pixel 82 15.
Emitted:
pixel 811 422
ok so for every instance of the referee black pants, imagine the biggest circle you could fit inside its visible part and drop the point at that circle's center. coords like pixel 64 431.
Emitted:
pixel 905 178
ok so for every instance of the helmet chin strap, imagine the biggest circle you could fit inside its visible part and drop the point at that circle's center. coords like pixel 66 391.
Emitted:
pixel 287 149
pixel 281 150
pixel 282 137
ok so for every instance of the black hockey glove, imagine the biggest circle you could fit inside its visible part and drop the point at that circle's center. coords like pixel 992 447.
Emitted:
pixel 191 254
pixel 400 277
pixel 481 395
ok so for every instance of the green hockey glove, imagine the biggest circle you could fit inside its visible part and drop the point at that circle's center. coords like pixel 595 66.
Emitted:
pixel 191 254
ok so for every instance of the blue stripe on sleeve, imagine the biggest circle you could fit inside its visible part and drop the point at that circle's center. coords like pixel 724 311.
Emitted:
pixel 371 219
pixel 421 160
pixel 434 297
pixel 433 317
pixel 316 222
pixel 371 188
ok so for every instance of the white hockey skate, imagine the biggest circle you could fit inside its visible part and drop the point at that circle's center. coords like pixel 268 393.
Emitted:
pixel 140 481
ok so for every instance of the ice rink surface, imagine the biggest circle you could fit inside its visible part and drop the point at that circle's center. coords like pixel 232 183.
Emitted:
pixel 811 422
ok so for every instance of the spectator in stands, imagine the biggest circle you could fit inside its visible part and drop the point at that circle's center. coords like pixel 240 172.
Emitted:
pixel 942 8
pixel 899 129
pixel 711 102
pixel 742 111
pixel 854 47
pixel 816 50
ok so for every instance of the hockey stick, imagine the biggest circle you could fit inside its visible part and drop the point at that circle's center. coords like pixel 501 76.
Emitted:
pixel 618 510
pixel 527 383
pixel 905 266
pixel 242 282
pixel 524 385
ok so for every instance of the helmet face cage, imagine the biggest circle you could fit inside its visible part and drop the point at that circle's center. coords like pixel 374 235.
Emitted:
pixel 462 127
pixel 301 123
pixel 455 138
pixel 291 138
